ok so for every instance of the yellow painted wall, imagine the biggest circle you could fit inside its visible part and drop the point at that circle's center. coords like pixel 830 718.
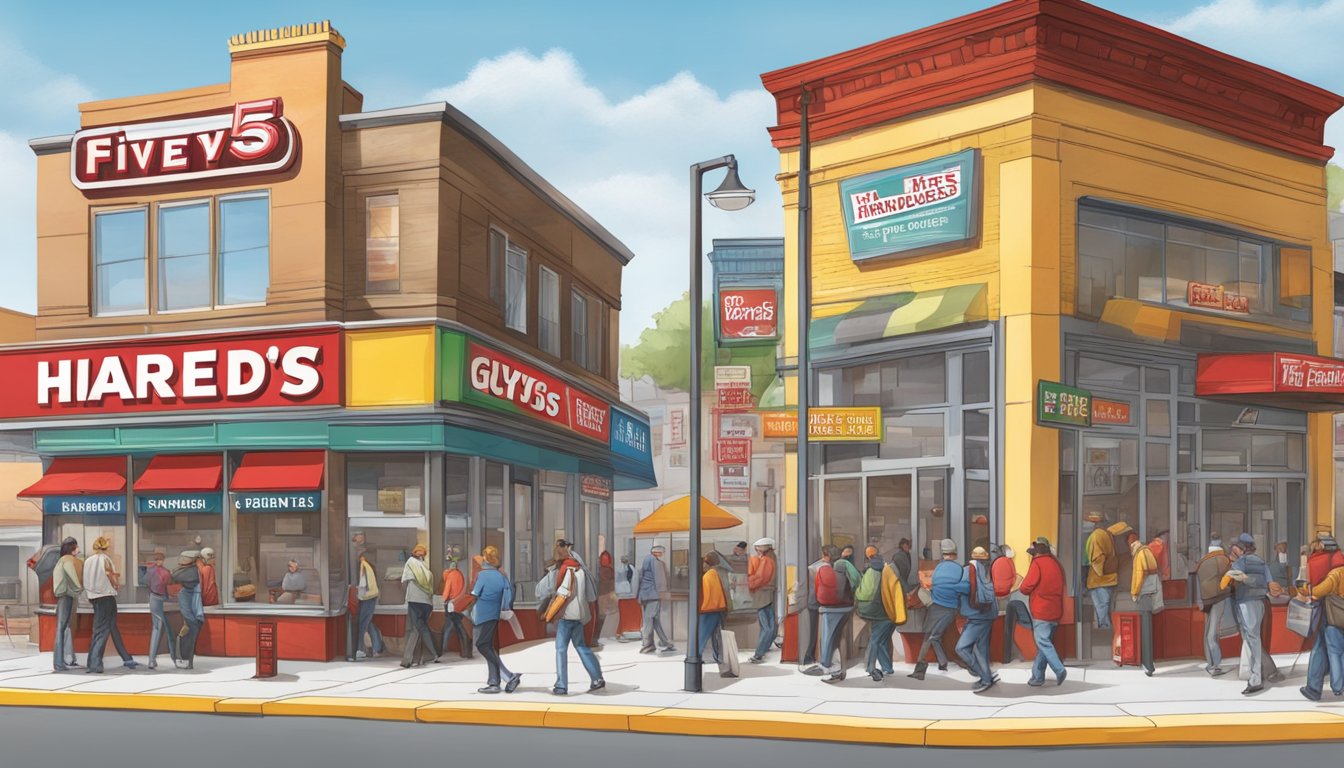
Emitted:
pixel 389 368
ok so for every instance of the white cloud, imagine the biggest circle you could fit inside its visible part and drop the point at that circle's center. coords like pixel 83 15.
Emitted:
pixel 627 161
pixel 39 101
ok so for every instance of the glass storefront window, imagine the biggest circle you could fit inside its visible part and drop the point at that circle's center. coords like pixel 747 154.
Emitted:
pixel 1094 373
pixel 1066 546
pixel 495 518
pixel 265 541
pixel 456 510
pixel 933 525
pixel 1158 418
pixel 1157 381
pixel 1157 514
pixel 975 447
pixel 844 513
pixel 912 382
pixel 385 502
pixel 87 529
pixel 1111 477
pixel 975 377
pixel 889 518
pixel 1157 458
pixel 171 535
pixel 977 514
pixel 1188 536
pixel 524 575
pixel 912 436
pixel 1185 454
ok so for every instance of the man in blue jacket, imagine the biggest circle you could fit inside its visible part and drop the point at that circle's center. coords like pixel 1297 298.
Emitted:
pixel 946 598
pixel 1249 577
pixel 652 588
pixel 494 603
pixel 977 604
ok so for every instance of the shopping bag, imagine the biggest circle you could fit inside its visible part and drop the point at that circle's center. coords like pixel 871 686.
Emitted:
pixel 728 661
pixel 1299 617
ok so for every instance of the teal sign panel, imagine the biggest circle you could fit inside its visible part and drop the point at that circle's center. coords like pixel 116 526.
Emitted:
pixel 912 208
pixel 278 502
pixel 179 504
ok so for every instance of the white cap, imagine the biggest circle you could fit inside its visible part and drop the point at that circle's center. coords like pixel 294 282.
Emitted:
pixel 766 542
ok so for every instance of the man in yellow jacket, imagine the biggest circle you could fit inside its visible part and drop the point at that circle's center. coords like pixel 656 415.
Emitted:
pixel 1146 589
pixel 1102 569
pixel 1328 650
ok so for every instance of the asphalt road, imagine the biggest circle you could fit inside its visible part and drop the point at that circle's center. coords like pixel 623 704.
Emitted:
pixel 102 739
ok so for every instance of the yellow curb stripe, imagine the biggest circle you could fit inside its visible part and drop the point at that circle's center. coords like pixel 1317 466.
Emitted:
pixel 521 714
pixel 782 725
pixel 1260 727
pixel 594 717
pixel 1039 731
pixel 331 706
pixel 239 706
pixel 143 702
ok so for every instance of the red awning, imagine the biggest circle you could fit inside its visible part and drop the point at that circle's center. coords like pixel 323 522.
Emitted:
pixel 182 474
pixel 81 476
pixel 1273 379
pixel 279 471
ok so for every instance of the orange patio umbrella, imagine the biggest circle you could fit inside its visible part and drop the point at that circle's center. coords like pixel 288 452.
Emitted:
pixel 675 517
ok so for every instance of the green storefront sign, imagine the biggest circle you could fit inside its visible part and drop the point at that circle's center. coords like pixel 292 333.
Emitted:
pixel 1058 405
pixel 912 208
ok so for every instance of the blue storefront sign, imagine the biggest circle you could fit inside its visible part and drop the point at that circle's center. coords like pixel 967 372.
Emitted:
pixel 630 437
pixel 179 503
pixel 912 208
pixel 297 501
pixel 84 505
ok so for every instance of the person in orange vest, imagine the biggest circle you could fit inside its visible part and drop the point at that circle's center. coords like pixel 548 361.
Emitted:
pixel 761 583
pixel 456 599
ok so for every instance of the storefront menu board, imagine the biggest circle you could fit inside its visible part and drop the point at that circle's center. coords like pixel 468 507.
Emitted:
pixel 861 424
pixel 912 208
pixel 1058 405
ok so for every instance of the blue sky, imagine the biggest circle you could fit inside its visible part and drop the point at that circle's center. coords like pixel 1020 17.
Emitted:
pixel 603 98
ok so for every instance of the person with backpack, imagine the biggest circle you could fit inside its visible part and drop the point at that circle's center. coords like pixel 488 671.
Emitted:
pixel 871 608
pixel 713 606
pixel 836 581
pixel 1103 569
pixel 977 604
pixel 761 584
pixel 571 612
pixel 1213 602
pixel 1044 587
pixel 946 599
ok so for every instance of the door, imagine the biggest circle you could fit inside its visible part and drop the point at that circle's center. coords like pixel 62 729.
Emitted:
pixel 889 502
pixel 1228 510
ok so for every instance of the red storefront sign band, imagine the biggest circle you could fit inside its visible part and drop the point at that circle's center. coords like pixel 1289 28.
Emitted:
pixel 285 368
pixel 536 393
pixel 1279 379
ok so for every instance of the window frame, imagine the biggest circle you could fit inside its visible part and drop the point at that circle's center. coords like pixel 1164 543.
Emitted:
pixel 578 339
pixel 510 251
pixel 545 273
pixel 211 227
pixel 217 246
pixel 494 267
pixel 369 206
pixel 149 272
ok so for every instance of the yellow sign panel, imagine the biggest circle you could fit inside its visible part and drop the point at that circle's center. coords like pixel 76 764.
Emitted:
pixel 836 425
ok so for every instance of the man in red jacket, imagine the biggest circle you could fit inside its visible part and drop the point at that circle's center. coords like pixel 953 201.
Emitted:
pixel 1044 586
pixel 1324 558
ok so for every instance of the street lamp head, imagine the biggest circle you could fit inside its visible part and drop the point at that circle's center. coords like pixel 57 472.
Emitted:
pixel 731 195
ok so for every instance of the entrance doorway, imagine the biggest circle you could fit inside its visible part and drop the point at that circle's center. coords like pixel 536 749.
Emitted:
pixel 873 509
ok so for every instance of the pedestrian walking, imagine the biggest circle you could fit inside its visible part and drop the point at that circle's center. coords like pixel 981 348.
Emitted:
pixel 1324 557
pixel 1327 652
pixel 1213 599
pixel 652 590
pixel 456 600
pixel 1249 577
pixel 946 599
pixel 367 594
pixel 1269 669
pixel 607 602
pixel 1146 589
pixel 713 607
pixel 1013 605
pixel 761 570
pixel 977 604
pixel 570 611
pixel 1103 569
pixel 1044 587
pixel 157 579
pixel 869 603
pixel 101 582
pixel 493 595
pixel 836 581
pixel 419 581
pixel 813 615
pixel 66 583
pixel 187 575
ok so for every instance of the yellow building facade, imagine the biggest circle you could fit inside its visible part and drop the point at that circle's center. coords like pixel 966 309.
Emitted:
pixel 1107 217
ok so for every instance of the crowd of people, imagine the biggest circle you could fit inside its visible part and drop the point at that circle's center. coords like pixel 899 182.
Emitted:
pixel 1233 588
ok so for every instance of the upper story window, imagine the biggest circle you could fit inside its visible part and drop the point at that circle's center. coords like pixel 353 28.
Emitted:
pixel 208 253
pixel 588 331
pixel 495 265
pixel 382 244
pixel 119 261
pixel 548 310
pixel 515 288
pixel 1150 257
pixel 578 323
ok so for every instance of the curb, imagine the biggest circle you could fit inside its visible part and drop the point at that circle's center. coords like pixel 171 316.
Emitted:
pixel 1249 727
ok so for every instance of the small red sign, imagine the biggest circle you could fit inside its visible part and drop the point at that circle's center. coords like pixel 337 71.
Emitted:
pixel 250 138
pixel 594 486
pixel 1204 296
pixel 246 370
pixel 589 416
pixel 1235 302
pixel 732 451
pixel 1109 412
pixel 749 313
pixel 735 399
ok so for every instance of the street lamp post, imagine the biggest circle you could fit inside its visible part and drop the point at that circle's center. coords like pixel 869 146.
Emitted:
pixel 729 196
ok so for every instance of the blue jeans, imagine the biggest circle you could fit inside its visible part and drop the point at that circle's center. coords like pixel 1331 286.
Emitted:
pixel 161 629
pixel 833 625
pixel 1101 602
pixel 1016 613
pixel 973 648
pixel 879 646
pixel 710 624
pixel 1043 632
pixel 1326 653
pixel 567 633
pixel 193 613
pixel 65 645
pixel 769 629
pixel 1213 651
pixel 366 627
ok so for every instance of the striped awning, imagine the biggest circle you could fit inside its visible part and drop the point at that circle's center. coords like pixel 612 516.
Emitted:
pixel 897 314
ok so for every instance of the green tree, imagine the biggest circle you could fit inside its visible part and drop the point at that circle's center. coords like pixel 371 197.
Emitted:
pixel 1334 186
pixel 663 352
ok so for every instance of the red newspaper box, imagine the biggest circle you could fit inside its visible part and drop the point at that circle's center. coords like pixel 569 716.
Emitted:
pixel 1125 641
pixel 266 646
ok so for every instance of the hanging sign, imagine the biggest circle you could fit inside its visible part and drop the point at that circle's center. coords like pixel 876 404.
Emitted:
pixel 1058 405
pixel 748 314
pixel 859 424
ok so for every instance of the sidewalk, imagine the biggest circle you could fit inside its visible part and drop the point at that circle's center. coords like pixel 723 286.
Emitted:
pixel 1098 704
